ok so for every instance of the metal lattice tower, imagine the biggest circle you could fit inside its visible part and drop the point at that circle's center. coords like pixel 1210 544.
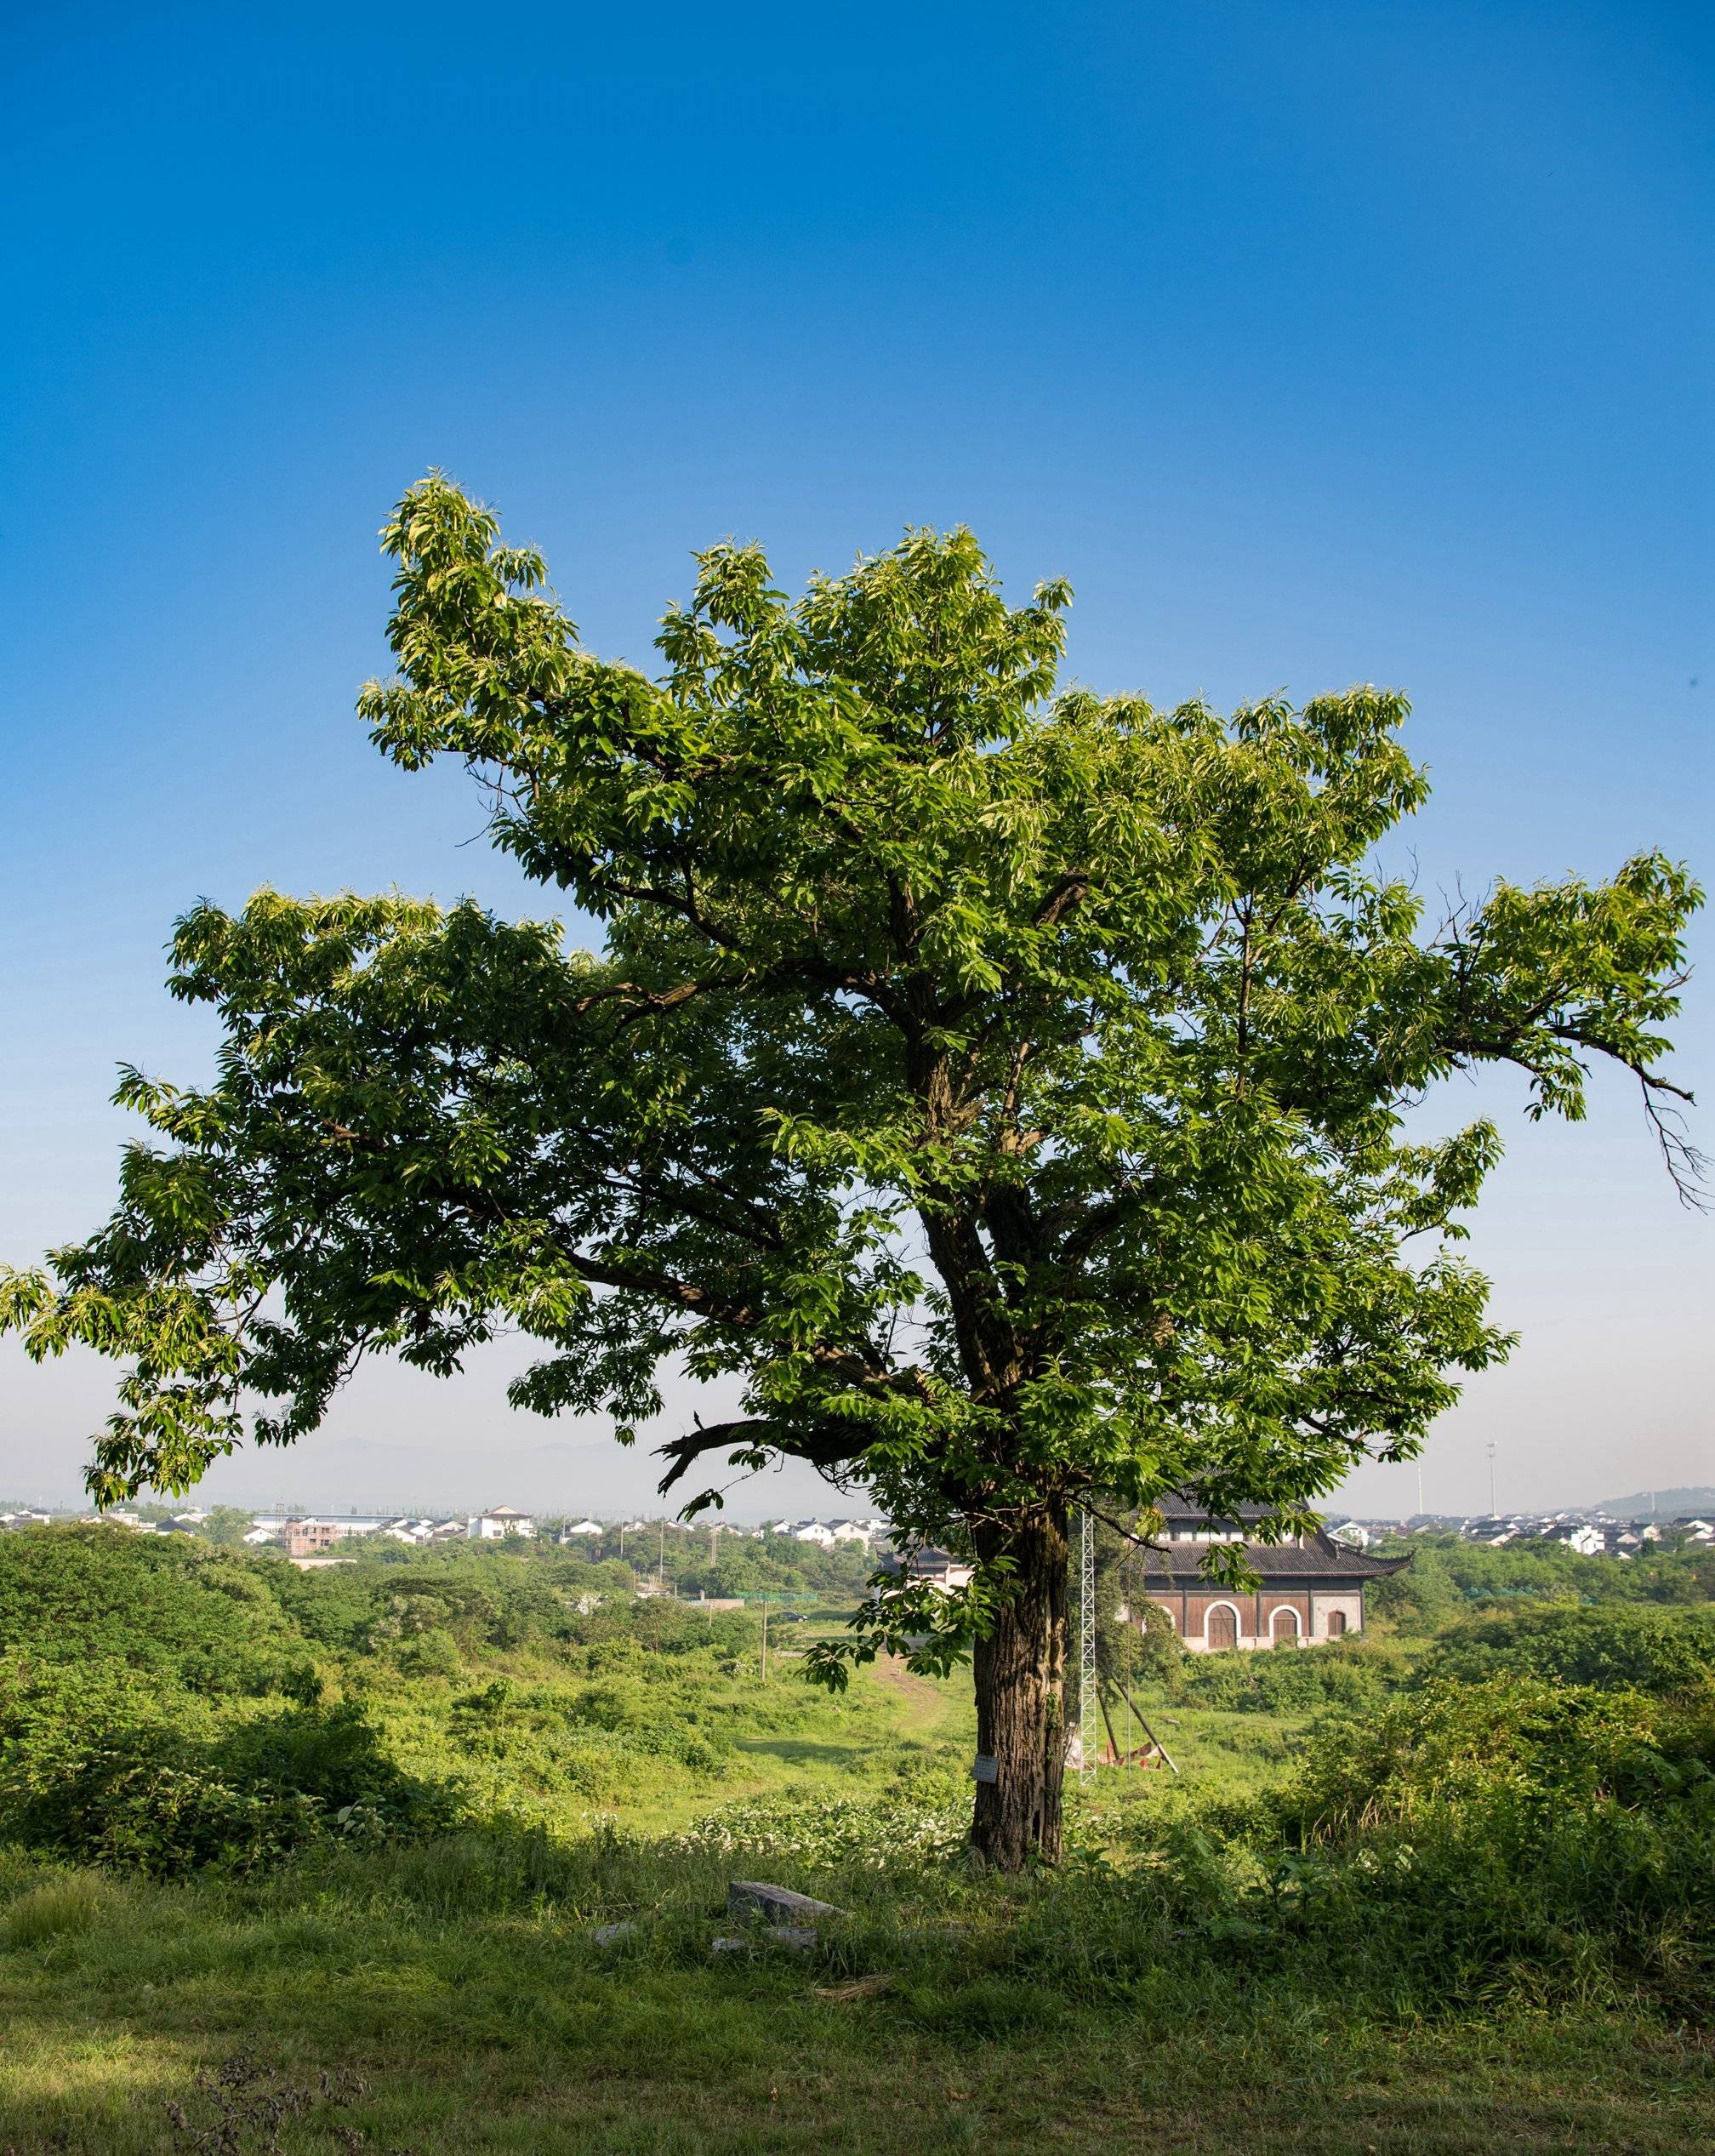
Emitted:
pixel 1087 1702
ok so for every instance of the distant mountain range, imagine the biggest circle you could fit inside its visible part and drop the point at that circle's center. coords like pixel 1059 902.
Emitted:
pixel 1665 1503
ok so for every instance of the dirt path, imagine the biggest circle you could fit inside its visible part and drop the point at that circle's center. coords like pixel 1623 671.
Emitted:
pixel 928 1707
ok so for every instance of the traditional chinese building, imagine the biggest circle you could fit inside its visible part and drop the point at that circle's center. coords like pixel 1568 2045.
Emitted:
pixel 1312 1587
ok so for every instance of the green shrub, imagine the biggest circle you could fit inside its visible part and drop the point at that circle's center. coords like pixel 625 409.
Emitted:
pixel 1289 1681
pixel 611 1706
pixel 173 1606
pixel 96 1767
pixel 1634 1646
pixel 1456 1742
pixel 433 1653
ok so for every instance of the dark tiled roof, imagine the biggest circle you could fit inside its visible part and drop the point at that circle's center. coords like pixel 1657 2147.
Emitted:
pixel 1179 1504
pixel 1321 1558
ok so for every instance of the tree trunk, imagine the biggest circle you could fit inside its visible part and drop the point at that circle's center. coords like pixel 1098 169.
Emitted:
pixel 1020 1671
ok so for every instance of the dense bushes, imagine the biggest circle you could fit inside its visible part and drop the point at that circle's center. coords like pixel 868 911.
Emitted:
pixel 1447 1577
pixel 1540 1748
pixel 1282 1681
pixel 191 1615
pixel 1515 1824
pixel 93 1765
pixel 1644 1648
pixel 166 1706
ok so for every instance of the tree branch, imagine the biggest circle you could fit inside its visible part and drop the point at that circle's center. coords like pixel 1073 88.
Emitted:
pixel 830 1448
pixel 1064 895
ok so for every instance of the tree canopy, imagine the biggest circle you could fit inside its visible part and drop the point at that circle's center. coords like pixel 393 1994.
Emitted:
pixel 1002 1085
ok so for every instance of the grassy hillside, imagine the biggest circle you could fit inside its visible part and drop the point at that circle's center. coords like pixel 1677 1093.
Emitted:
pixel 324 1857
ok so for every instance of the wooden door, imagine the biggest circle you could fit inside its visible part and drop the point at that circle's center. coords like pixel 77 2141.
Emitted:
pixel 1221 1627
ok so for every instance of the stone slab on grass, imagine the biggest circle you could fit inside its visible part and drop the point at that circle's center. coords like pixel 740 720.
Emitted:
pixel 751 1898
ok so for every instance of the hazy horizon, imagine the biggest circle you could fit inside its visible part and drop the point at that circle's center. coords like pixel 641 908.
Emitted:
pixel 238 1484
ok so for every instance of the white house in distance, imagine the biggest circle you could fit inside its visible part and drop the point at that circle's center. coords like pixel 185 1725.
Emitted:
pixel 494 1527
pixel 1581 1535
pixel 827 1534
pixel 576 1530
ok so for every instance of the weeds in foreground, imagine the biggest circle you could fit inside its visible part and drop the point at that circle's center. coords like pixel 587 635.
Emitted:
pixel 63 1907
pixel 246 2105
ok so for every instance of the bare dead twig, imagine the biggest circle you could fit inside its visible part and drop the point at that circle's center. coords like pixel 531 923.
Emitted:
pixel 247 2105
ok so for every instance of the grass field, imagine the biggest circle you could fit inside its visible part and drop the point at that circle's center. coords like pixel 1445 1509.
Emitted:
pixel 452 2029
pixel 451 2007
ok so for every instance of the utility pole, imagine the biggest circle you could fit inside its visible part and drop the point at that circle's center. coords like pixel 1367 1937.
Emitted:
pixel 765 1639
pixel 1086 1648
pixel 661 1560
pixel 1420 1489
pixel 1493 1509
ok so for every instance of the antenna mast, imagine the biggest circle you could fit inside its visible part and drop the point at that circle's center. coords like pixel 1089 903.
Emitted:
pixel 1086 1648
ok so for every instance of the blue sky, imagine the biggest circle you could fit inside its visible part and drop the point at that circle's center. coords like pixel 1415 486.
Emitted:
pixel 1312 343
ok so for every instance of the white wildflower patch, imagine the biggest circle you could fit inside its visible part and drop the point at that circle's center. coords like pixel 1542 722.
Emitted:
pixel 829 1832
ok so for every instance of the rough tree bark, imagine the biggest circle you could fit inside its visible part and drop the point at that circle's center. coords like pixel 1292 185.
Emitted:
pixel 1020 1671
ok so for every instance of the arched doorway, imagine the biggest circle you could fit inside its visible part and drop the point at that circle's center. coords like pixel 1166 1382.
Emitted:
pixel 1284 1626
pixel 1336 1623
pixel 1221 1627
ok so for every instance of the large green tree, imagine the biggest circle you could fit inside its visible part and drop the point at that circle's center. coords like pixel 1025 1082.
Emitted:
pixel 1005 1089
